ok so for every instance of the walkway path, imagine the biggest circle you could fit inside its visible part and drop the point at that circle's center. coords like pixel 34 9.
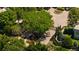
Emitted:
pixel 59 19
pixel 47 39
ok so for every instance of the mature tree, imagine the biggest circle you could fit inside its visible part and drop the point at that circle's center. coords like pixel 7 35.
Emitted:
pixel 8 21
pixel 33 21
pixel 8 17
pixel 73 16
pixel 37 22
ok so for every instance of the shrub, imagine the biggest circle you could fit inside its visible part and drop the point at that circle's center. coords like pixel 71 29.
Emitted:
pixel 37 47
pixel 12 30
pixel 14 45
pixel 76 44
pixel 16 30
pixel 11 44
pixel 7 29
pixel 67 42
pixel 59 48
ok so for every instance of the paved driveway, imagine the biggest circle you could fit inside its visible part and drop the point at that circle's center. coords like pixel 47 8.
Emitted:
pixel 59 19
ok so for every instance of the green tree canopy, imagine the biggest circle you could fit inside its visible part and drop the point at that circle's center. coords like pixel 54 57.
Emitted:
pixel 8 17
pixel 33 20
pixel 73 16
pixel 39 21
pixel 11 43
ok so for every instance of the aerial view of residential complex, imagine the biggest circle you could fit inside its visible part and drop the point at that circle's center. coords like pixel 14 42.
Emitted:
pixel 39 29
